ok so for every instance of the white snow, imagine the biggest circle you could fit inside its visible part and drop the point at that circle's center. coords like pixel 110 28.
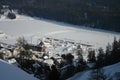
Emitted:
pixel 34 29
pixel 10 72
pixel 109 71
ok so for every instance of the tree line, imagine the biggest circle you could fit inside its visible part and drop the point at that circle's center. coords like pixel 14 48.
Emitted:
pixel 103 14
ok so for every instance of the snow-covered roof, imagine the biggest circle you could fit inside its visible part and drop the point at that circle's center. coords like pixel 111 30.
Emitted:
pixel 3 50
pixel 48 61
pixel 10 72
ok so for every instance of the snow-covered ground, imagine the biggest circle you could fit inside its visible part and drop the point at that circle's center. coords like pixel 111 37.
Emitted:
pixel 109 71
pixel 10 72
pixel 33 29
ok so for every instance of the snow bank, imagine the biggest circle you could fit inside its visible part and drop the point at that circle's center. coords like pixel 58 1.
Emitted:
pixel 109 71
pixel 10 72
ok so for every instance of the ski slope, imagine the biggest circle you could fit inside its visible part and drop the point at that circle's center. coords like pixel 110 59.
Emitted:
pixel 33 28
pixel 10 72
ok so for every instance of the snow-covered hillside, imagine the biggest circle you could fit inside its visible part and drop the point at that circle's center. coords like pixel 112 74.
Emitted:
pixel 33 29
pixel 10 72
pixel 110 71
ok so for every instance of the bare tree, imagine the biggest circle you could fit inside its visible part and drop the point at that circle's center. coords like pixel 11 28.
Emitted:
pixel 21 42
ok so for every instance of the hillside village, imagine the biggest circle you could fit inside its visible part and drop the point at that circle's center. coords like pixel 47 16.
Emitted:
pixel 38 59
pixel 45 51
pixel 57 59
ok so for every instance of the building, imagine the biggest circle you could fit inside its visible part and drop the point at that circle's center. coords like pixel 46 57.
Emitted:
pixel 4 54
pixel 16 52
pixel 41 47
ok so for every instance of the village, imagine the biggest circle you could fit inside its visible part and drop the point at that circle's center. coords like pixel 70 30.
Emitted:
pixel 35 58
pixel 48 56
pixel 39 58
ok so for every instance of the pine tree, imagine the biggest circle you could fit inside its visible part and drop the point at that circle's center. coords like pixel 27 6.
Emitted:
pixel 108 49
pixel 79 54
pixel 115 51
pixel 115 45
pixel 91 56
pixel 108 54
pixel 100 58
pixel 69 58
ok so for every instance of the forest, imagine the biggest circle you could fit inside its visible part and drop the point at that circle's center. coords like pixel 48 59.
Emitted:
pixel 102 14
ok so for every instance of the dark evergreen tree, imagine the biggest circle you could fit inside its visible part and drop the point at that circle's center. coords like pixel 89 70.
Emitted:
pixel 11 15
pixel 115 51
pixel 108 57
pixel 100 58
pixel 79 54
pixel 63 56
pixel 81 65
pixel 70 67
pixel 115 45
pixel 91 56
pixel 69 58
pixel 54 74
pixel 108 49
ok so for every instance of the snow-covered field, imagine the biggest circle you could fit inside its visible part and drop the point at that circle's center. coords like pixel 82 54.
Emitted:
pixel 10 72
pixel 33 29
